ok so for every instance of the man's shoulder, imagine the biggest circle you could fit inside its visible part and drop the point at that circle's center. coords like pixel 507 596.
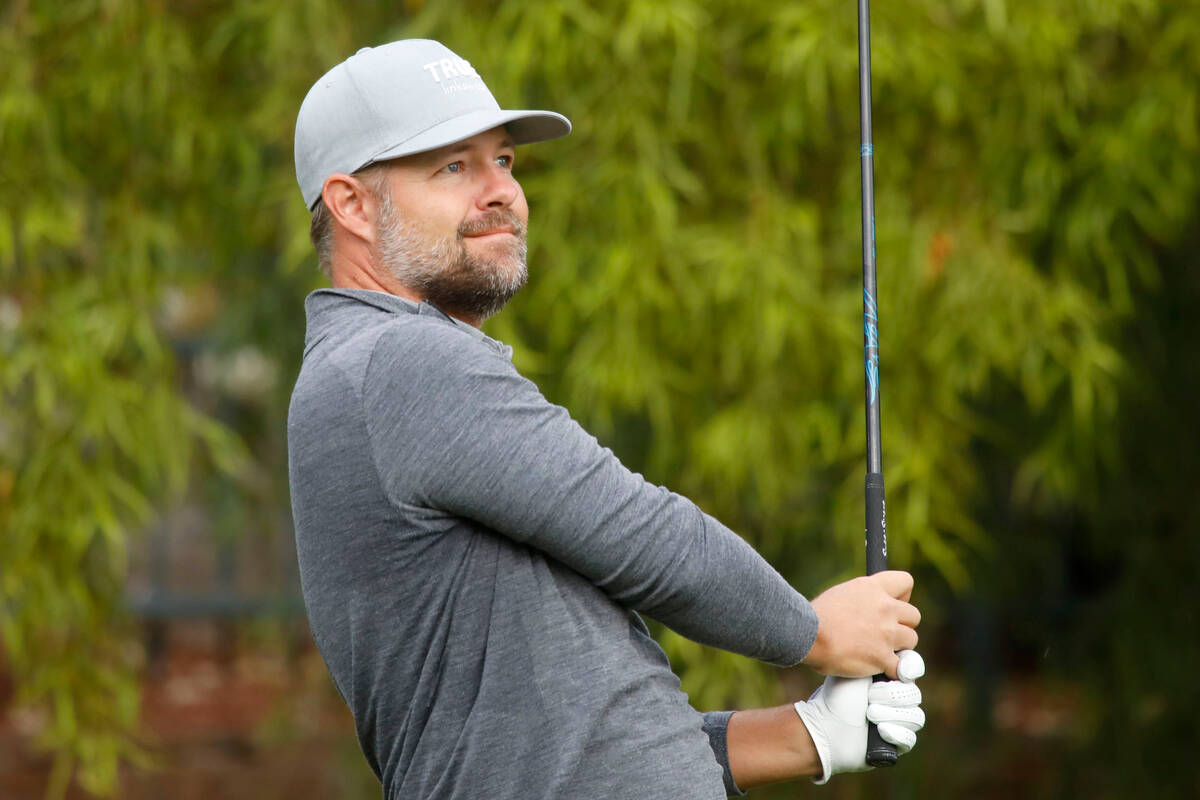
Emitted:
pixel 383 353
pixel 423 353
pixel 349 327
pixel 401 354
pixel 406 336
pixel 429 343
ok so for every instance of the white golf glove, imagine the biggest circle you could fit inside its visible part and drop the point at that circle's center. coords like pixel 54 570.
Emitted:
pixel 837 714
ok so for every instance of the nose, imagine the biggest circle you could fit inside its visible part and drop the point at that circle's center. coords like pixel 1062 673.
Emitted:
pixel 500 189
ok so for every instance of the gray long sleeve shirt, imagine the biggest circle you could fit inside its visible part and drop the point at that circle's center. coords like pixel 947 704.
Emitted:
pixel 472 562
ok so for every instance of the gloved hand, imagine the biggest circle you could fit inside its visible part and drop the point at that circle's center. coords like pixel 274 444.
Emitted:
pixel 837 714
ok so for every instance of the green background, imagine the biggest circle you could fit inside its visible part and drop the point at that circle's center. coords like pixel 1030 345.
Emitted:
pixel 694 301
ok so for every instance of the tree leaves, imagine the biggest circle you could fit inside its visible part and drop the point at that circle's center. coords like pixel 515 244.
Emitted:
pixel 695 261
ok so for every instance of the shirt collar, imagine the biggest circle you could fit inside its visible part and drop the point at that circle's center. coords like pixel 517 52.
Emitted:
pixel 321 306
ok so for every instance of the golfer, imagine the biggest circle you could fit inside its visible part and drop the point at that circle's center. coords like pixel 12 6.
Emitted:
pixel 474 564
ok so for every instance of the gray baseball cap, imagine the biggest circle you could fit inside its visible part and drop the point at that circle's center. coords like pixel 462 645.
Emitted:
pixel 395 100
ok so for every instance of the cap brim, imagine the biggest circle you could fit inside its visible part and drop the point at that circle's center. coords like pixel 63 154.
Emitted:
pixel 525 127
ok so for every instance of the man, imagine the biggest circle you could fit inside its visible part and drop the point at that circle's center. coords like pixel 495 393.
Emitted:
pixel 473 561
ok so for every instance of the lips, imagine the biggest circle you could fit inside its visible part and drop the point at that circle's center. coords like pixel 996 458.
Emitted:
pixel 492 224
pixel 494 232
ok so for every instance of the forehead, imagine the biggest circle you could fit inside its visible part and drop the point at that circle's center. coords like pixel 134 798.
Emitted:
pixel 490 140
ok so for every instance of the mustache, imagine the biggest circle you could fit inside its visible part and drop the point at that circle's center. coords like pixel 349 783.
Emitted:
pixel 496 218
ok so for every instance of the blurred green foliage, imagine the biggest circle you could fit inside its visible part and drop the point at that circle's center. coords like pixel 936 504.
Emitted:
pixel 695 301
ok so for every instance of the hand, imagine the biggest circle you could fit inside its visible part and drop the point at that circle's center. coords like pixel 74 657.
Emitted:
pixel 837 714
pixel 862 623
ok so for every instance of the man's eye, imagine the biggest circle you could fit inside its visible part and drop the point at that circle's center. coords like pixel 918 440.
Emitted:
pixel 455 167
pixel 505 161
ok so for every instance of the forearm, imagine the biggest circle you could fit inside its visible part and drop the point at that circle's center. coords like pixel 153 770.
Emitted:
pixel 767 745
pixel 645 547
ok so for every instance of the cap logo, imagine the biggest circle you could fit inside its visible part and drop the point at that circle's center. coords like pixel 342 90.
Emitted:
pixel 454 75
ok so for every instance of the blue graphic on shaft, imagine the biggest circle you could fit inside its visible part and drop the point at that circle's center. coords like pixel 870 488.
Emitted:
pixel 871 348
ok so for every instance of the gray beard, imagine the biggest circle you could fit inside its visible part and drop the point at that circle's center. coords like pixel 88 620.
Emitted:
pixel 444 273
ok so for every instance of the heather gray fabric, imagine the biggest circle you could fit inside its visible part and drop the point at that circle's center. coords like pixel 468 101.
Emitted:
pixel 472 560
pixel 716 725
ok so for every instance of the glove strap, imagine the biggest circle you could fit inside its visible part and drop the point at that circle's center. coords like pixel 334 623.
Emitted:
pixel 820 740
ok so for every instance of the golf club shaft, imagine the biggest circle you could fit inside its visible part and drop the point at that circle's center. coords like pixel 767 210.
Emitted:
pixel 879 752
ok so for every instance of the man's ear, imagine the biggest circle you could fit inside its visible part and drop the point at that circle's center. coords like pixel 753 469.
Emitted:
pixel 351 204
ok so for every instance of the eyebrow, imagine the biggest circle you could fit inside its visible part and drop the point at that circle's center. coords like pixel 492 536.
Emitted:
pixel 463 147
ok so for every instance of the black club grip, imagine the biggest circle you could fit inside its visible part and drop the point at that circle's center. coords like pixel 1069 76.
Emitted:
pixel 879 752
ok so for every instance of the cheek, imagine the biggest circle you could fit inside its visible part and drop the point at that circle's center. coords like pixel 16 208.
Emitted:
pixel 520 207
pixel 429 212
pixel 441 216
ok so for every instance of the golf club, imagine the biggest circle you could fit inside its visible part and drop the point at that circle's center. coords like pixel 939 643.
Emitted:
pixel 879 752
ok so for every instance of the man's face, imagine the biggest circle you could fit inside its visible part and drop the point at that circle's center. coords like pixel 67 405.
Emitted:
pixel 453 228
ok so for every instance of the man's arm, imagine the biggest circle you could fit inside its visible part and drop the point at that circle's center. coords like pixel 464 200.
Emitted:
pixel 454 429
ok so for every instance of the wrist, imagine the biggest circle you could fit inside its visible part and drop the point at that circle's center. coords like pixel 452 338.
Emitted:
pixel 822 769
pixel 807 757
pixel 815 656
pixel 769 745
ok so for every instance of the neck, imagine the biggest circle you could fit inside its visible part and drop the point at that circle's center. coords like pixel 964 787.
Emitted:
pixel 356 274
pixel 353 275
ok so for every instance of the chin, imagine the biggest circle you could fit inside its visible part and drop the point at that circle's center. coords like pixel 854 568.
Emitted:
pixel 510 269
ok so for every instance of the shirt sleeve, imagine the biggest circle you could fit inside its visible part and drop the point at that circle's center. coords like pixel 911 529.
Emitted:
pixel 716 723
pixel 453 427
